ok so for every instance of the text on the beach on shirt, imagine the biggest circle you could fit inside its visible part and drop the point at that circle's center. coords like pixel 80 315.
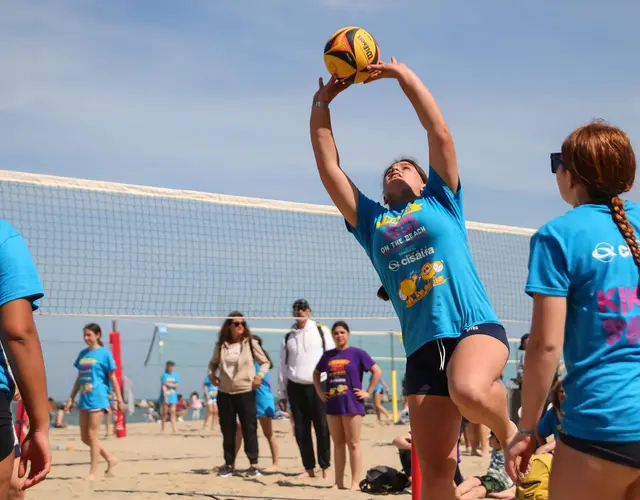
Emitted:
pixel 398 235
pixel 622 300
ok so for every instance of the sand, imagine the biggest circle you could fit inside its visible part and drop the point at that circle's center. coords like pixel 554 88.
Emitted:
pixel 153 466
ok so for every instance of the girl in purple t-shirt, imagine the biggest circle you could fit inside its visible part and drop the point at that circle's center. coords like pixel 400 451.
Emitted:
pixel 344 398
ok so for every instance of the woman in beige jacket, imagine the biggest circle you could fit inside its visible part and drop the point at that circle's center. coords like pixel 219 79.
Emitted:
pixel 233 371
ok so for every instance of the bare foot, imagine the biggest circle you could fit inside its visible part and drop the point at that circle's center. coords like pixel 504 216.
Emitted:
pixel 110 465
pixel 308 474
pixel 355 487
pixel 272 468
pixel 325 473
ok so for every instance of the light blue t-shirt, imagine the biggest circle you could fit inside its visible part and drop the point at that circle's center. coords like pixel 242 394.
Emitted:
pixel 583 256
pixel 18 280
pixel 212 390
pixel 421 253
pixel 172 394
pixel 94 368
pixel 550 424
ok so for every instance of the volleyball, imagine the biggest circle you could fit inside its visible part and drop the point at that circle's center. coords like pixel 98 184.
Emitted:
pixel 348 52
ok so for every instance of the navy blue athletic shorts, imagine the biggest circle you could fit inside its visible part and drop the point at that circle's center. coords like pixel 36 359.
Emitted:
pixel 627 454
pixel 426 372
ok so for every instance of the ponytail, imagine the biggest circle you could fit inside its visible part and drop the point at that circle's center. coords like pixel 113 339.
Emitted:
pixel 619 215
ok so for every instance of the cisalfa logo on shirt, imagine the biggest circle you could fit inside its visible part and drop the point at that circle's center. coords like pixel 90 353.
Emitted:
pixel 606 252
pixel 411 258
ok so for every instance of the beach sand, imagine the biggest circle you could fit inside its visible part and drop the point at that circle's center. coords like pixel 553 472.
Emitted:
pixel 153 466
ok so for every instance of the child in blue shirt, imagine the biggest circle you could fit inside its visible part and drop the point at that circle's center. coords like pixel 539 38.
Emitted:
pixel 170 382
pixel 96 372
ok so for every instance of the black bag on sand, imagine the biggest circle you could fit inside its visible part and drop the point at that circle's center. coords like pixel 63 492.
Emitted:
pixel 383 479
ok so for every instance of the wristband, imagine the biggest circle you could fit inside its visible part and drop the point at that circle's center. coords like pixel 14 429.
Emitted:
pixel 527 433
pixel 321 104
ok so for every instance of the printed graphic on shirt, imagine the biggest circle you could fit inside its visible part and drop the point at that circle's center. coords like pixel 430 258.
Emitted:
pixel 398 231
pixel 86 371
pixel 338 376
pixel 171 380
pixel 416 286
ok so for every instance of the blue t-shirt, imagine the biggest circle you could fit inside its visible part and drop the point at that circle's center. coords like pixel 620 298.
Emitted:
pixel 550 424
pixel 18 280
pixel 421 253
pixel 212 390
pixel 94 368
pixel 265 403
pixel 583 256
pixel 172 393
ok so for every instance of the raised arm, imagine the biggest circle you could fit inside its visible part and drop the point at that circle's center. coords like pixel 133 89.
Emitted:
pixel 442 153
pixel 340 188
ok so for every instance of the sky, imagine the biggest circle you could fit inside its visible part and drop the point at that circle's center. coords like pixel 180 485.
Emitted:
pixel 215 96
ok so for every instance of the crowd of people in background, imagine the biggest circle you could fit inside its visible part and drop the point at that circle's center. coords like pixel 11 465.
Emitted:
pixel 329 397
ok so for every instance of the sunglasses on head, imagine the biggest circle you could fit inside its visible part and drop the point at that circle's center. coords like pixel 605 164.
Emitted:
pixel 556 162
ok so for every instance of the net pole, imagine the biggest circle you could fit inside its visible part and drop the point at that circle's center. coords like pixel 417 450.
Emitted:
pixel 114 340
pixel 416 475
pixel 394 384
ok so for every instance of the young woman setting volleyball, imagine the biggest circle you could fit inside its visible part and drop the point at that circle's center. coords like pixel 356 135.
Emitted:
pixel 584 279
pixel 456 347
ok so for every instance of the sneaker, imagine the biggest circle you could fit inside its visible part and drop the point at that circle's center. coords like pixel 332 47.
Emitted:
pixel 253 472
pixel 225 471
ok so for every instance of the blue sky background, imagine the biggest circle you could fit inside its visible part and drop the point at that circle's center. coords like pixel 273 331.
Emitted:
pixel 215 96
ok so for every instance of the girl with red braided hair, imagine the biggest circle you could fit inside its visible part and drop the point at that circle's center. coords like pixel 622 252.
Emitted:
pixel 585 282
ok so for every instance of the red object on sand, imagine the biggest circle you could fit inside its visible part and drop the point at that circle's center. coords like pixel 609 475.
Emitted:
pixel 120 424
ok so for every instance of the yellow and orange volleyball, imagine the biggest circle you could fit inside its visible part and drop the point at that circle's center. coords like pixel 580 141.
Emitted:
pixel 348 52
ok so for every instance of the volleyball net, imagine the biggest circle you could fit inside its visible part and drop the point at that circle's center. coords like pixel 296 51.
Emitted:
pixel 109 250
pixel 117 250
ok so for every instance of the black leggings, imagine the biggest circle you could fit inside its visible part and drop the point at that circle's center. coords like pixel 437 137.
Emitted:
pixel 243 407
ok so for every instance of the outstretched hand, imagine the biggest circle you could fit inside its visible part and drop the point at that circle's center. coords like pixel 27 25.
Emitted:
pixel 383 69
pixel 328 92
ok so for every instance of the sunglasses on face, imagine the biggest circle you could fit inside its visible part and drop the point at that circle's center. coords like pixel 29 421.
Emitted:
pixel 238 323
pixel 556 162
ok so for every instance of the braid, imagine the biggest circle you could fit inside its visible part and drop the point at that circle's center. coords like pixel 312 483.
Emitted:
pixel 620 218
